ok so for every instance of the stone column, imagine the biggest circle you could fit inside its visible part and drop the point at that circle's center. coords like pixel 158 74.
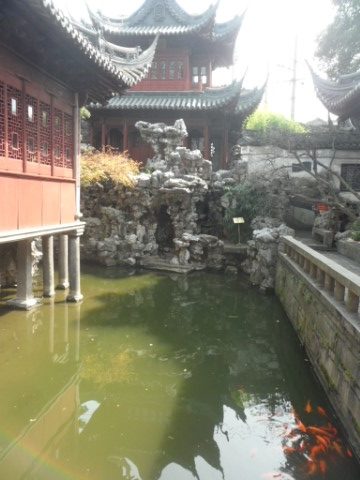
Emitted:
pixel 24 293
pixel 63 263
pixel 48 266
pixel 74 268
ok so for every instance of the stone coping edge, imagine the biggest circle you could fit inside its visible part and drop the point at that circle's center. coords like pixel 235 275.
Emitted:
pixel 17 235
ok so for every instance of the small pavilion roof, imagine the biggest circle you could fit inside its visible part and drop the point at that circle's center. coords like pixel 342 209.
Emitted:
pixel 47 32
pixel 230 98
pixel 342 97
pixel 166 17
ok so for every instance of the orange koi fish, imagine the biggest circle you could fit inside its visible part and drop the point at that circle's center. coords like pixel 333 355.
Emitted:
pixel 324 441
pixel 312 468
pixel 349 452
pixel 337 448
pixel 319 431
pixel 289 450
pixel 316 451
pixel 308 408
pixel 301 426
pixel 321 411
pixel 322 466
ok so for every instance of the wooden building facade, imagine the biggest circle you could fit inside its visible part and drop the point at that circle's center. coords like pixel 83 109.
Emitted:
pixel 48 69
pixel 179 84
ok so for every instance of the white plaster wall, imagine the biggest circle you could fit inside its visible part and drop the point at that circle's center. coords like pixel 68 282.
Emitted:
pixel 268 158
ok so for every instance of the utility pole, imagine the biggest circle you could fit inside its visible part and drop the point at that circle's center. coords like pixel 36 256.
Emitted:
pixel 294 79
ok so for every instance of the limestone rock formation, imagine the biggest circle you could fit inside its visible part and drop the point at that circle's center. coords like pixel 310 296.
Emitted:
pixel 263 251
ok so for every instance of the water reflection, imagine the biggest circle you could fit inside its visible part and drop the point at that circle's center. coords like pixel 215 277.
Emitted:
pixel 40 389
pixel 177 378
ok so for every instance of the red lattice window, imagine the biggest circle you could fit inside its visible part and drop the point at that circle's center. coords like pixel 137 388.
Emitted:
pixel 32 116
pixel 14 116
pixel 58 137
pixel 2 120
pixel 45 130
pixel 68 141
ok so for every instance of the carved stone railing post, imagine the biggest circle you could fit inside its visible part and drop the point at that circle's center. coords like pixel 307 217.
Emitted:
pixel 329 284
pixel 352 302
pixel 339 292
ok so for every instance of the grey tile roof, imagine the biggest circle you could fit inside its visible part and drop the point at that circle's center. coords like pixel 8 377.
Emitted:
pixel 127 71
pixel 231 97
pixel 342 97
pixel 175 21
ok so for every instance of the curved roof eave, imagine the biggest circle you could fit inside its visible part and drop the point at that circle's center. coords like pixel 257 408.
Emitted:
pixel 133 25
pixel 340 98
pixel 249 100
pixel 210 99
pixel 129 73
pixel 228 29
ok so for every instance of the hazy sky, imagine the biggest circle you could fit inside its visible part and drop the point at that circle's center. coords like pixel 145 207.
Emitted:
pixel 265 43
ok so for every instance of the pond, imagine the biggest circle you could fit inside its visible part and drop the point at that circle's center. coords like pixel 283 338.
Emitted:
pixel 162 377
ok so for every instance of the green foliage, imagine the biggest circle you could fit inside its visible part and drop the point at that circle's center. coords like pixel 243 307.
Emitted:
pixel 100 167
pixel 267 122
pixel 355 230
pixel 246 200
pixel 84 113
pixel 339 45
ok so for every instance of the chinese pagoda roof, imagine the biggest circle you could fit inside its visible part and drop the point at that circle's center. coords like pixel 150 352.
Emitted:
pixel 49 38
pixel 342 97
pixel 166 17
pixel 230 98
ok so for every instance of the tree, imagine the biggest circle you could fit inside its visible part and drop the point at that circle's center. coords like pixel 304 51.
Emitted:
pixel 305 147
pixel 339 45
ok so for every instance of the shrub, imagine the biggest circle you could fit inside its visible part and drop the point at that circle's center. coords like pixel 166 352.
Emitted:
pixel 84 113
pixel 267 122
pixel 108 166
pixel 355 230
pixel 246 200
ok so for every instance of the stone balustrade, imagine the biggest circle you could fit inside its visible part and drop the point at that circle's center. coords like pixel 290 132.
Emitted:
pixel 339 282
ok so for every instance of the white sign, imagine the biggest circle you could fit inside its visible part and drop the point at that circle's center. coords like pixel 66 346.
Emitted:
pixel 238 220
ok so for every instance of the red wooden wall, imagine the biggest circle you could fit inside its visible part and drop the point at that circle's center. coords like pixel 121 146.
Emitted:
pixel 37 184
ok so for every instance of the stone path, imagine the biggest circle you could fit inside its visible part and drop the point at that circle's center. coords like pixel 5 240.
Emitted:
pixel 333 255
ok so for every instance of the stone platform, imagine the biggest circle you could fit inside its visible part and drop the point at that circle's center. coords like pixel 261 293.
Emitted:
pixel 157 263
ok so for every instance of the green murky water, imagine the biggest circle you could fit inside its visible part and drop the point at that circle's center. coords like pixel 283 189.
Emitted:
pixel 162 377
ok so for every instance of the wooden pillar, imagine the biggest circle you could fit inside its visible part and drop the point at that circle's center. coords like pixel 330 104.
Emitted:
pixel 6 120
pixel 74 268
pixel 125 136
pixel 76 160
pixel 48 266
pixel 206 142
pixel 63 263
pixel 38 130
pixel 23 123
pixel 103 135
pixel 24 293
pixel 51 146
